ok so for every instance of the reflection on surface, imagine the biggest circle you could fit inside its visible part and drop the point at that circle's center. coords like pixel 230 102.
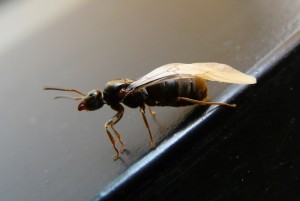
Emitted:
pixel 22 19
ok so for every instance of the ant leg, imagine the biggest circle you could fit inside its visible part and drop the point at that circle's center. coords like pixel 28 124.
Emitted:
pixel 120 109
pixel 142 110
pixel 109 124
pixel 119 138
pixel 153 115
pixel 198 102
pixel 151 112
pixel 113 142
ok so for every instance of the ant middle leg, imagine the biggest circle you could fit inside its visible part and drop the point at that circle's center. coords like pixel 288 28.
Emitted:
pixel 151 112
pixel 142 110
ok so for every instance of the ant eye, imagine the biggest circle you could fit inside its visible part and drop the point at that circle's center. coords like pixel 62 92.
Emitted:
pixel 92 94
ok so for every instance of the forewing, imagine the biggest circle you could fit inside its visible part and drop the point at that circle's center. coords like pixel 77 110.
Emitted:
pixel 209 71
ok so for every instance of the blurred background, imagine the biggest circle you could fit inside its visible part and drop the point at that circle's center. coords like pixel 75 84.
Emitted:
pixel 49 150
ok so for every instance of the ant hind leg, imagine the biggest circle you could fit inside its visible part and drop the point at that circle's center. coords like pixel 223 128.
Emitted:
pixel 198 102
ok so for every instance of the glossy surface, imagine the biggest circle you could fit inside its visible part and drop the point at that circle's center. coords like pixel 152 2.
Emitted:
pixel 252 153
pixel 48 150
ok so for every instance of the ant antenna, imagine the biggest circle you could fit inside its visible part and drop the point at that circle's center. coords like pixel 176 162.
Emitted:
pixel 67 97
pixel 70 90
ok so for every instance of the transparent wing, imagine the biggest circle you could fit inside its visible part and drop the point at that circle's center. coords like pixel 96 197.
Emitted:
pixel 209 71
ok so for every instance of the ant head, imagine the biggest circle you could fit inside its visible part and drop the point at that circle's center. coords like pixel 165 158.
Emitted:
pixel 93 101
pixel 90 102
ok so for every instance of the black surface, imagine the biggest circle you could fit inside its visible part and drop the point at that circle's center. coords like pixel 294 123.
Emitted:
pixel 249 153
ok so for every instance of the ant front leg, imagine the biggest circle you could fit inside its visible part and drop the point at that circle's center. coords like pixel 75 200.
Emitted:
pixel 110 124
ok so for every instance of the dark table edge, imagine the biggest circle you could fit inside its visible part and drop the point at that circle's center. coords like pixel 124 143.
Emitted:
pixel 259 70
